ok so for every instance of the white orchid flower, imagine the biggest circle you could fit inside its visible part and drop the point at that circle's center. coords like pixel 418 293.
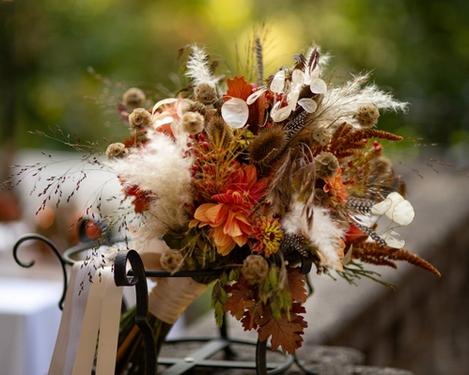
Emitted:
pixel 396 208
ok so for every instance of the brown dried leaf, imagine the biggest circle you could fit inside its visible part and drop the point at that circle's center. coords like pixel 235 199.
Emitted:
pixel 296 284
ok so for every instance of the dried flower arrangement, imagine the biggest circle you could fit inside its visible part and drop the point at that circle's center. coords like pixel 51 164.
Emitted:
pixel 263 181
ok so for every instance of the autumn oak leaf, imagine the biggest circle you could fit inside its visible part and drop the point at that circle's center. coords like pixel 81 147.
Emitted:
pixel 240 299
pixel 296 284
pixel 283 332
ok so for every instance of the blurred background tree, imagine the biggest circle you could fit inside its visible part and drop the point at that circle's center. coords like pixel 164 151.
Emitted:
pixel 65 64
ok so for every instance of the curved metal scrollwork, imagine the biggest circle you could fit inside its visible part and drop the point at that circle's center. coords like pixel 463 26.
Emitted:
pixel 137 279
pixel 51 246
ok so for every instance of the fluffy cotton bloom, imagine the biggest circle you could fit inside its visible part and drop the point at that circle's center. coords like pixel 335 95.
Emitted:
pixel 326 233
pixel 396 208
pixel 161 170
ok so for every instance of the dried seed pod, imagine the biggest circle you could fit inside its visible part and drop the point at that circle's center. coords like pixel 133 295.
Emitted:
pixel 171 260
pixel 255 269
pixel 197 107
pixel 139 118
pixel 367 115
pixel 205 94
pixel 218 132
pixel 133 98
pixel 326 164
pixel 116 150
pixel 267 145
pixel 193 122
pixel 321 135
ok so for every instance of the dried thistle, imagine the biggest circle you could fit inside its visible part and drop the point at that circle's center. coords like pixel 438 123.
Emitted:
pixel 116 150
pixel 139 118
pixel 326 165
pixel 321 135
pixel 133 98
pixel 367 115
pixel 193 122
pixel 267 145
pixel 205 94
pixel 255 269
pixel 171 260
pixel 193 106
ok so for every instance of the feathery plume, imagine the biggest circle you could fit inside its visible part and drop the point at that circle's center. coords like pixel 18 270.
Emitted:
pixel 198 68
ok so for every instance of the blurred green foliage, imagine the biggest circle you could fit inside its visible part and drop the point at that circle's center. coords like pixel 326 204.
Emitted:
pixel 65 63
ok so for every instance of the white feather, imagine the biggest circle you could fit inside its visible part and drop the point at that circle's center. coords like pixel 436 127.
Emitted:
pixel 341 103
pixel 326 234
pixel 198 69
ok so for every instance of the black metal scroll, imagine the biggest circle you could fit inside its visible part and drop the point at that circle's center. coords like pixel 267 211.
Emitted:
pixel 50 244
pixel 140 282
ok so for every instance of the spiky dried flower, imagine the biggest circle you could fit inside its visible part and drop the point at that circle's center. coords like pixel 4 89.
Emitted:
pixel 205 94
pixel 139 118
pixel 196 107
pixel 193 122
pixel 267 145
pixel 321 135
pixel 171 260
pixel 116 150
pixel 367 115
pixel 218 132
pixel 133 98
pixel 326 164
pixel 255 269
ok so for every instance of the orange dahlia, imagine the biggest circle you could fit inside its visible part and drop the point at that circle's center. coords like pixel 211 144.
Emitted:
pixel 229 215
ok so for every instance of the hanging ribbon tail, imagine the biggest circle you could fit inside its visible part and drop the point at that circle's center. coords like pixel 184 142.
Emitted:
pixel 71 322
pixel 102 314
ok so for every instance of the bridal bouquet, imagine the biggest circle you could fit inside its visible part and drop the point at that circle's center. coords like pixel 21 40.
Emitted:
pixel 263 182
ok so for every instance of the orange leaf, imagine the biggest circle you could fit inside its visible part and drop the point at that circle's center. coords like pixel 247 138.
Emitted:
pixel 238 87
pixel 283 332
pixel 296 283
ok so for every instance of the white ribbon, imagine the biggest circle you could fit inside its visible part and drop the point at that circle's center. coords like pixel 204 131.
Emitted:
pixel 102 314
pixel 71 322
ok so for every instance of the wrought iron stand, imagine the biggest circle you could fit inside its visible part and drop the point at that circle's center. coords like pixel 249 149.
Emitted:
pixel 135 276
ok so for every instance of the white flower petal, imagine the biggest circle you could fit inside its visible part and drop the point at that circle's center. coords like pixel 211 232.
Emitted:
pixel 278 82
pixel 308 104
pixel 163 121
pixel 402 213
pixel 280 114
pixel 392 240
pixel 382 207
pixel 235 112
pixel 297 78
pixel 395 197
pixel 318 86
pixel 255 95
pixel 163 102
